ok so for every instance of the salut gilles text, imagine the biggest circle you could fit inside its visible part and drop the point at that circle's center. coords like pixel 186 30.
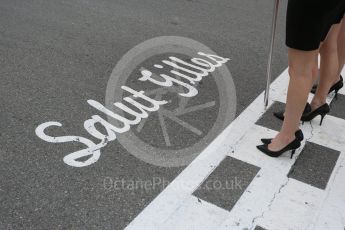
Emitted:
pixel 192 72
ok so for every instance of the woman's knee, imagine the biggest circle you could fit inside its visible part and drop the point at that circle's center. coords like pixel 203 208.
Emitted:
pixel 329 48
pixel 305 72
pixel 302 63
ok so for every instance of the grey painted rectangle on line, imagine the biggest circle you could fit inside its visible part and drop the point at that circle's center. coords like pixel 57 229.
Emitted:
pixel 338 107
pixel 227 183
pixel 268 120
pixel 315 165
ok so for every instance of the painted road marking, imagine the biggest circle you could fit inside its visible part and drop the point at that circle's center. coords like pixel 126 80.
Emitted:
pixel 315 165
pixel 230 179
pixel 93 150
pixel 270 194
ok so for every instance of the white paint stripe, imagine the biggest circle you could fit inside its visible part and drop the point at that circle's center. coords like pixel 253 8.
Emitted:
pixel 240 136
pixel 192 213
pixel 331 134
pixel 331 215
pixel 293 208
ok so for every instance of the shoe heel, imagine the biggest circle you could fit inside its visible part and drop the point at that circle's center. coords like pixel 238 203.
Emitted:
pixel 292 153
pixel 322 117
pixel 303 124
pixel 336 94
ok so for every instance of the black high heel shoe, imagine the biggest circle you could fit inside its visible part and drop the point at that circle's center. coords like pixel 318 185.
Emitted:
pixel 323 110
pixel 298 134
pixel 280 114
pixel 336 87
pixel 295 144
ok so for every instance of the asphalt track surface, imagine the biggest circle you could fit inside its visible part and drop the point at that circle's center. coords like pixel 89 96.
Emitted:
pixel 55 55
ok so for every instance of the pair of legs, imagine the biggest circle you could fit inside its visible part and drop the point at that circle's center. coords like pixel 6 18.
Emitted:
pixel 303 70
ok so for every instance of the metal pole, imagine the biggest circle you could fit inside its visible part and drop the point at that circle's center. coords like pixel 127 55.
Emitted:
pixel 269 65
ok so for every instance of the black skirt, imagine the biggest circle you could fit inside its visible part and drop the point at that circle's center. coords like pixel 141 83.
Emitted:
pixel 309 21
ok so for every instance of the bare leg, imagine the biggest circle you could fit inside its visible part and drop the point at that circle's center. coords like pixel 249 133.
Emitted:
pixel 301 70
pixel 341 46
pixel 328 67
pixel 315 72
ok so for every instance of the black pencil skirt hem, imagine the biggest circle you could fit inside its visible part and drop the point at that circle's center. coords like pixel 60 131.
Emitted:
pixel 309 21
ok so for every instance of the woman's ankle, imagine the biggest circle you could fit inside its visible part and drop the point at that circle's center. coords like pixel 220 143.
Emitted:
pixel 337 79
pixel 286 136
pixel 316 103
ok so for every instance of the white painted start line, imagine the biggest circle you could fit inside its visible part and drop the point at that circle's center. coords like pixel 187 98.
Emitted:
pixel 272 200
